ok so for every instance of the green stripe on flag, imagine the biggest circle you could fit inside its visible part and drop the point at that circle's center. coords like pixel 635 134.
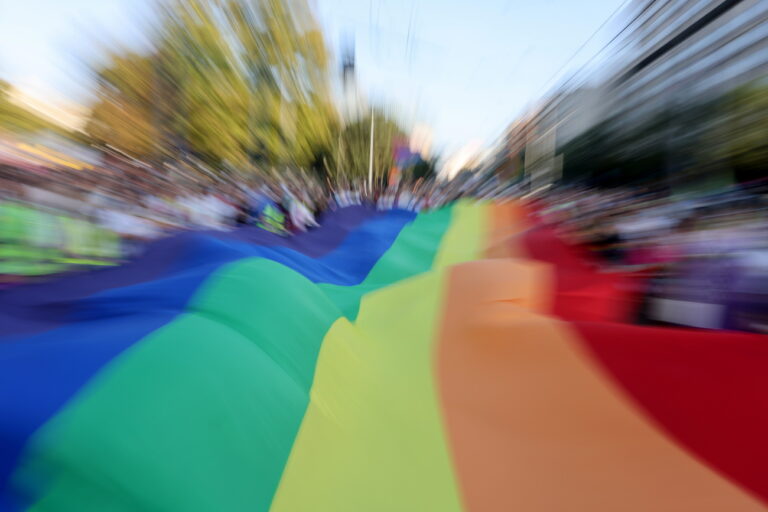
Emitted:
pixel 202 414
pixel 412 253
pixel 373 436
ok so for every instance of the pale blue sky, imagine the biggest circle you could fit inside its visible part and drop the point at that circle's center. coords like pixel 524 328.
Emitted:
pixel 468 68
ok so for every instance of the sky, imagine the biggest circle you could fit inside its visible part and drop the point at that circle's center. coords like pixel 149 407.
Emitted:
pixel 465 68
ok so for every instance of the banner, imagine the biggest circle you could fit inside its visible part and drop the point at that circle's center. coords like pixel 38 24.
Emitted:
pixel 460 359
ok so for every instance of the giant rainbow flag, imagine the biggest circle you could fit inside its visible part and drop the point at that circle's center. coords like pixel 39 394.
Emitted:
pixel 461 359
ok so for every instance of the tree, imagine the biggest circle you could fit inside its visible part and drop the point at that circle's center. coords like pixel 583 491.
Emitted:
pixel 746 122
pixel 123 115
pixel 16 119
pixel 229 81
pixel 286 60
pixel 693 143
pixel 211 91
pixel 349 159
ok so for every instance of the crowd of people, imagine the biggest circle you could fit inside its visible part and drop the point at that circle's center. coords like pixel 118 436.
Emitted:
pixel 705 257
pixel 54 220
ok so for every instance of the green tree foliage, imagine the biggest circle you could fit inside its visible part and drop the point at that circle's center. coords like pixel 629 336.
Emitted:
pixel 286 61
pixel 212 98
pixel 229 80
pixel 746 121
pixel 688 142
pixel 124 115
pixel 349 159
pixel 16 119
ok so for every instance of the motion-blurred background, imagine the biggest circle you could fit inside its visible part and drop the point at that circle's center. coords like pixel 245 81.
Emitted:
pixel 641 126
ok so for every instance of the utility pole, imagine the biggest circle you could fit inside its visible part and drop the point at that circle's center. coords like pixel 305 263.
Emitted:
pixel 370 159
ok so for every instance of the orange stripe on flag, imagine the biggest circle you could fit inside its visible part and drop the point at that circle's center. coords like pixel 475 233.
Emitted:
pixel 532 422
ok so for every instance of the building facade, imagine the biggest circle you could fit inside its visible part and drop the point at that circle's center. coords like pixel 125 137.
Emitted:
pixel 683 50
pixel 670 53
